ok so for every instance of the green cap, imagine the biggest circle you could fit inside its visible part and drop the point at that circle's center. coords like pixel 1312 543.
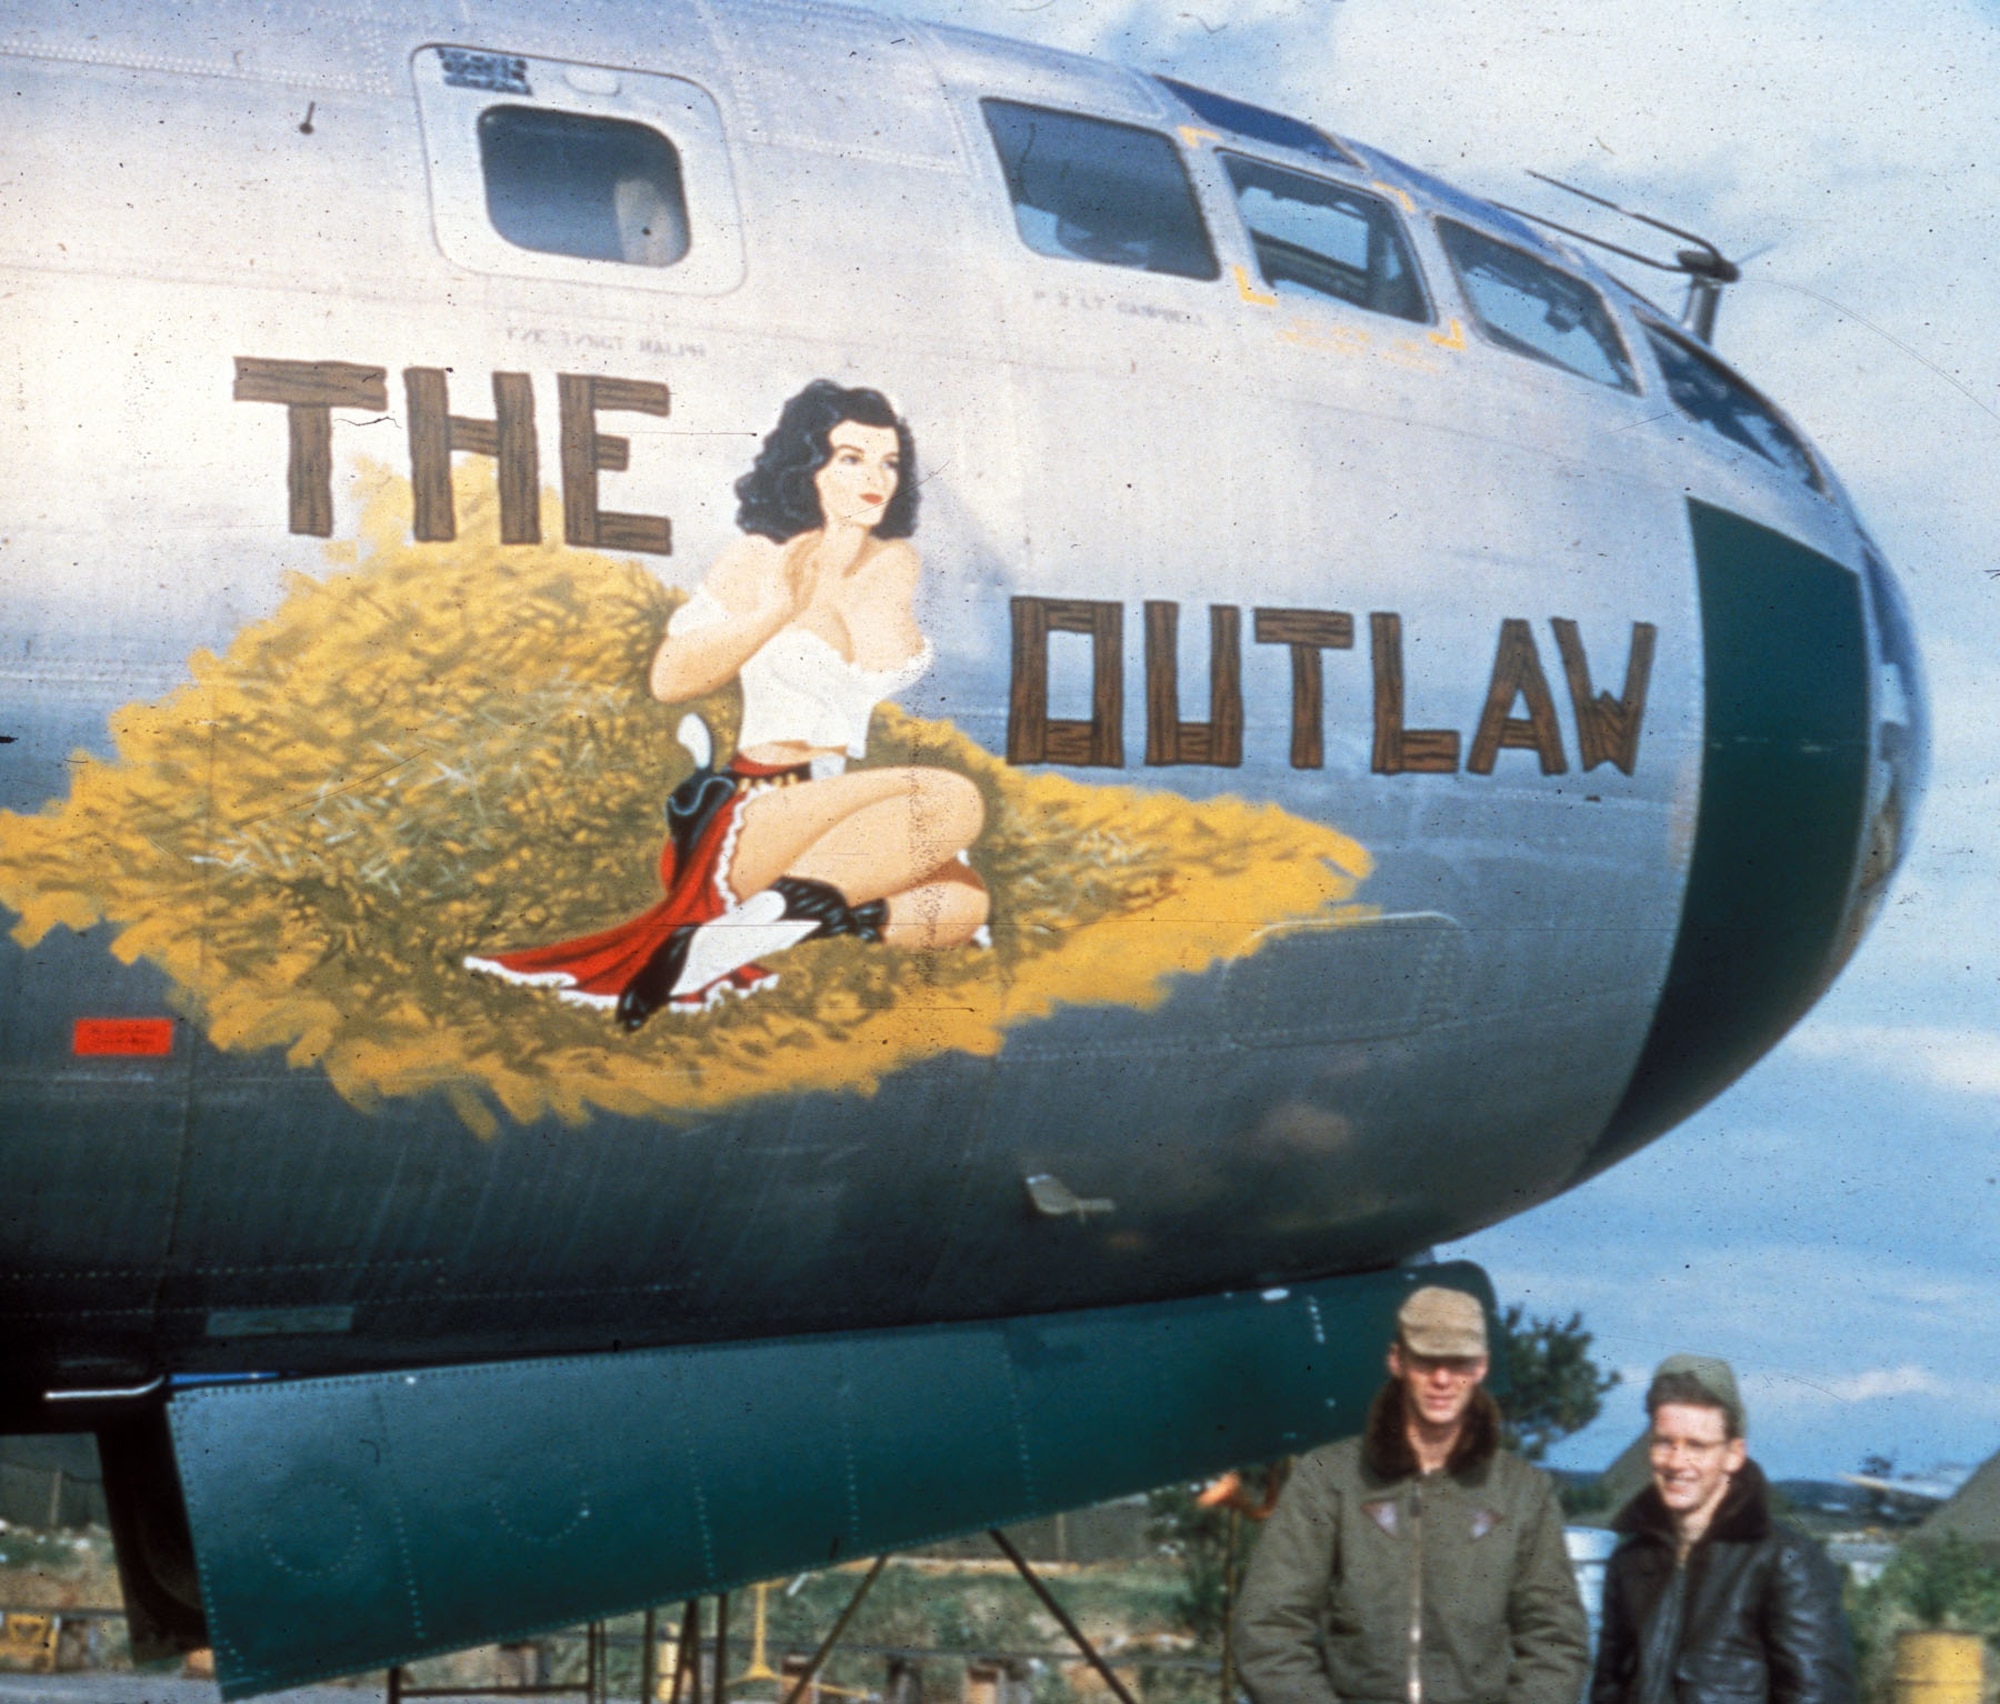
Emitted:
pixel 1714 1376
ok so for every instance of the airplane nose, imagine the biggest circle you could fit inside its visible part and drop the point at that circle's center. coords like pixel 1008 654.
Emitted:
pixel 1814 754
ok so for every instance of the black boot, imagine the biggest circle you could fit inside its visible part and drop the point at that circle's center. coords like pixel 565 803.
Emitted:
pixel 827 906
pixel 648 990
pixel 809 911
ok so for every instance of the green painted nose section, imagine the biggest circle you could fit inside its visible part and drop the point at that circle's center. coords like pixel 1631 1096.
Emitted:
pixel 1784 797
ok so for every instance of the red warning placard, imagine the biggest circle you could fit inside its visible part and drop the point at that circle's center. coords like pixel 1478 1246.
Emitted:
pixel 144 1038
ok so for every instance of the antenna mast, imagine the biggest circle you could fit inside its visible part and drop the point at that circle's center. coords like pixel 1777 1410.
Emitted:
pixel 1707 270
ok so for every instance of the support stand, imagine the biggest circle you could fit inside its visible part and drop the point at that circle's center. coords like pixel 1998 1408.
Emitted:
pixel 1229 1606
pixel 760 1657
pixel 591 1688
pixel 687 1658
pixel 826 1645
pixel 1062 1615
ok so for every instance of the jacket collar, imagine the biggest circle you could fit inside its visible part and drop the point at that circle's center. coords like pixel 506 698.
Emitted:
pixel 1385 1449
pixel 1744 1518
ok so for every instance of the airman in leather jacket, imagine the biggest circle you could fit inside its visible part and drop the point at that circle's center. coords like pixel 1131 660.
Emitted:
pixel 1759 1618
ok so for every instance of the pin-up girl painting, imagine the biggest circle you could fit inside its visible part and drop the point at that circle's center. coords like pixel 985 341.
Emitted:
pixel 812 612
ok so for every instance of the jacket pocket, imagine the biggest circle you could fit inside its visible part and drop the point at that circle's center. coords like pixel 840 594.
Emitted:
pixel 1711 1678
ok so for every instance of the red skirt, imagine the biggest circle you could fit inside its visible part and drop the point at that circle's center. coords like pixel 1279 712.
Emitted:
pixel 703 818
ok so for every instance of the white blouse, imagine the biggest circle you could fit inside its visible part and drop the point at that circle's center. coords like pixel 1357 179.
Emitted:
pixel 798 689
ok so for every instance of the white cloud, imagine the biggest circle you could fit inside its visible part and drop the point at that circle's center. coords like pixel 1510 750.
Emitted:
pixel 1875 1384
pixel 1957 1061
pixel 1879 1382
pixel 1751 1301
pixel 1778 1397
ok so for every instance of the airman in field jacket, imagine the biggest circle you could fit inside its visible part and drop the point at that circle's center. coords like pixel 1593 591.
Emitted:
pixel 1418 1563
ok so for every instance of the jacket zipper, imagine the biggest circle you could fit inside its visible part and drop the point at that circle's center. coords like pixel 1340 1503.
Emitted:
pixel 1416 1686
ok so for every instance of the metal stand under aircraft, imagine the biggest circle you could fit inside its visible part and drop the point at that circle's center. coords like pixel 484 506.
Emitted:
pixel 1050 1602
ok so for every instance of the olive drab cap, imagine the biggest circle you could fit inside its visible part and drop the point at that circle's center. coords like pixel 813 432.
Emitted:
pixel 1716 1377
pixel 1444 1324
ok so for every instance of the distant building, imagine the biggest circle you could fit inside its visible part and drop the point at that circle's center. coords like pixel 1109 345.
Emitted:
pixel 1618 1484
pixel 1590 1548
pixel 51 1480
pixel 1972 1512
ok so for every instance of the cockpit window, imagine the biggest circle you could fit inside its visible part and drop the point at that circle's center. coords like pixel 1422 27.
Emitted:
pixel 1317 238
pixel 595 188
pixel 1535 309
pixel 1258 124
pixel 1088 189
pixel 1709 394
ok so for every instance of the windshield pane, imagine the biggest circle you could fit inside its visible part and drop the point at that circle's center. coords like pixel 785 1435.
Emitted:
pixel 1314 238
pixel 1536 309
pixel 1260 124
pixel 1709 394
pixel 1088 189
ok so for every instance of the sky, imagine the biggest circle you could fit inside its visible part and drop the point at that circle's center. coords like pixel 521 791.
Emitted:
pixel 1830 1225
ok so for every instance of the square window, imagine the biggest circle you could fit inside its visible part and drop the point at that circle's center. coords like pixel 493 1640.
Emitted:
pixel 579 174
pixel 1314 237
pixel 1537 310
pixel 1088 189
pixel 597 188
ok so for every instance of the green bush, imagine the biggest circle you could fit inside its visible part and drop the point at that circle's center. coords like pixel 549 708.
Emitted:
pixel 1949 1585
pixel 1198 1539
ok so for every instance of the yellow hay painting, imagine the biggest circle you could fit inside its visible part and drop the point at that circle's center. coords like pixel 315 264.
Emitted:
pixel 448 749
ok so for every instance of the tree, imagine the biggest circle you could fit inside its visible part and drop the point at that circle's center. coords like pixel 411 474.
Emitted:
pixel 1889 1508
pixel 1199 1539
pixel 1554 1387
pixel 1194 1524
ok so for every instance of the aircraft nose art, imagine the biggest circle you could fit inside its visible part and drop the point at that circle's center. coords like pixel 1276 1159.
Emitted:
pixel 1813 758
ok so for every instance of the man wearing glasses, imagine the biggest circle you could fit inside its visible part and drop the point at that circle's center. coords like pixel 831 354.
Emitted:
pixel 1418 1563
pixel 1708 1598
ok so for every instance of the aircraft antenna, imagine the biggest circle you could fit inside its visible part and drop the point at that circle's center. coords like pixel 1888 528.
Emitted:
pixel 1705 267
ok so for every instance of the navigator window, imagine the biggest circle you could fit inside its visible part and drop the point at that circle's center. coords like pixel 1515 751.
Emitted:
pixel 577 174
pixel 570 183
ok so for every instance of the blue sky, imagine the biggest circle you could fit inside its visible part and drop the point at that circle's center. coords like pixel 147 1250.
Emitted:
pixel 1830 1225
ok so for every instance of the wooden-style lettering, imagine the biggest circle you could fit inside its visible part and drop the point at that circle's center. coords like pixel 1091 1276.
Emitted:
pixel 1607 728
pixel 1033 736
pixel 1219 740
pixel 509 437
pixel 1400 750
pixel 586 453
pixel 309 390
pixel 1308 632
pixel 1517 673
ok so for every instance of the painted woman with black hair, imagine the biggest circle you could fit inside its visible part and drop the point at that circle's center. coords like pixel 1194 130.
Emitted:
pixel 813 612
